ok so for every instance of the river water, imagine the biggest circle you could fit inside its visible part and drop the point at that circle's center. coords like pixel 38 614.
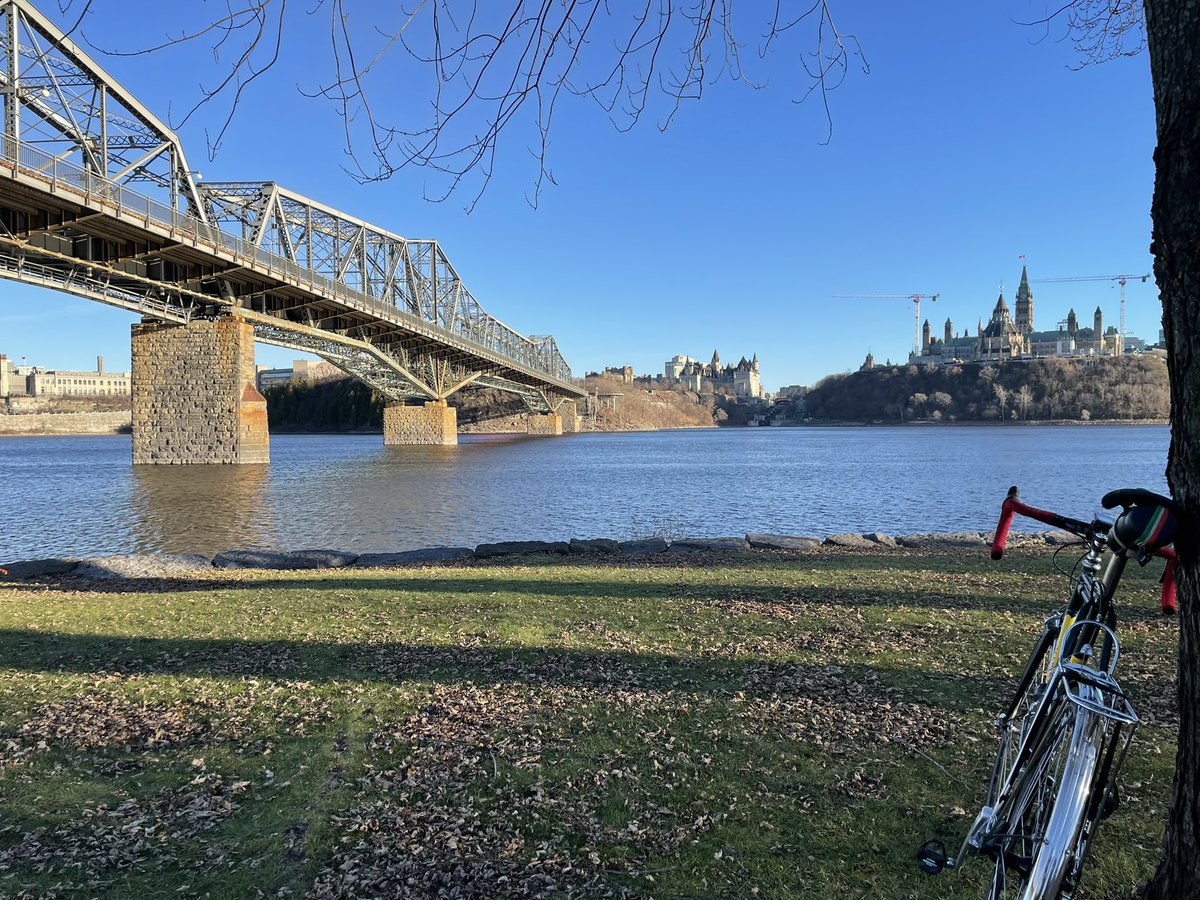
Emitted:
pixel 72 496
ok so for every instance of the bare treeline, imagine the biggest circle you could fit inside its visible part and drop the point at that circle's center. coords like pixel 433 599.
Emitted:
pixel 1105 389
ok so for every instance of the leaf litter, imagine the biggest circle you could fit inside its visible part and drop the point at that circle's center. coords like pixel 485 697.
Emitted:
pixel 583 769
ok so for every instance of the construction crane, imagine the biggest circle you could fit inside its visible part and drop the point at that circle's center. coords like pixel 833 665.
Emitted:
pixel 1119 279
pixel 916 301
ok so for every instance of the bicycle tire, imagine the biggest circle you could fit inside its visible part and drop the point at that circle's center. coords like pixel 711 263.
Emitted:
pixel 1053 832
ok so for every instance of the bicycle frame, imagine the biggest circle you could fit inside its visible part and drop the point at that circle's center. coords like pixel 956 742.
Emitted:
pixel 1090 599
pixel 1066 733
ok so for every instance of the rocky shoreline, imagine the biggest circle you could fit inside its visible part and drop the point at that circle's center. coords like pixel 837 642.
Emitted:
pixel 165 565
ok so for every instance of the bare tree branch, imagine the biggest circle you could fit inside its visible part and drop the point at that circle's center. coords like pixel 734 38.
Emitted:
pixel 498 69
pixel 1101 30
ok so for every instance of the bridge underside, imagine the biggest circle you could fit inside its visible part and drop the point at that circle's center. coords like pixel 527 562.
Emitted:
pixel 84 251
pixel 57 241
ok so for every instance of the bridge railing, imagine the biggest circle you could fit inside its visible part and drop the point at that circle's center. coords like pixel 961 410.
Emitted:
pixel 496 338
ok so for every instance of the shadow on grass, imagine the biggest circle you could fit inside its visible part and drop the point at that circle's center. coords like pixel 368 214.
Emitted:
pixel 397 662
pixel 857 590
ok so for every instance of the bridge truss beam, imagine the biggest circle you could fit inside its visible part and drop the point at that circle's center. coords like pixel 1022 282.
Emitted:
pixel 412 275
pixel 58 101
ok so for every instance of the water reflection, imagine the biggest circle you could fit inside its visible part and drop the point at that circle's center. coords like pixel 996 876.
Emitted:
pixel 199 509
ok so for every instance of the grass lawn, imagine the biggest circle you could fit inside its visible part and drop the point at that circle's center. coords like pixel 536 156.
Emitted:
pixel 743 725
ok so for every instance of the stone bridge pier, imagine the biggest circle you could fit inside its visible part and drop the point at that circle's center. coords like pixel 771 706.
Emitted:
pixel 436 422
pixel 545 424
pixel 194 399
pixel 572 423
pixel 564 419
pixel 433 423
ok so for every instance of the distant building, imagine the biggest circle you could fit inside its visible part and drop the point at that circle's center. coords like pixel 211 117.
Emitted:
pixel 265 379
pixel 673 370
pixel 36 381
pixel 1001 339
pixel 303 371
pixel 1023 314
pixel 311 371
pixel 1013 336
pixel 9 378
pixel 621 373
pixel 743 378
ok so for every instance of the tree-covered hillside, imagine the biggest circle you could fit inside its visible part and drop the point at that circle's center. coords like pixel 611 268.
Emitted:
pixel 339 404
pixel 1134 387
pixel 345 404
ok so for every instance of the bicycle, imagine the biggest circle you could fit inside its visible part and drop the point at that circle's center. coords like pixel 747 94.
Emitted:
pixel 1064 736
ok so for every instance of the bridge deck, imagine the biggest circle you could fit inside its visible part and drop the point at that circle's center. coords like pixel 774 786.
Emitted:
pixel 102 240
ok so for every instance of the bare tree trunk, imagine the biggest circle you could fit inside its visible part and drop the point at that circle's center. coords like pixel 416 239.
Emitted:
pixel 1173 31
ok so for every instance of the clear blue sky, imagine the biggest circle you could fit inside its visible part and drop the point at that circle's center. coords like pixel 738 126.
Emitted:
pixel 972 141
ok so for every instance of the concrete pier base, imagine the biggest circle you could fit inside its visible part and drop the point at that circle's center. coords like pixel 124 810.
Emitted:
pixel 194 399
pixel 545 424
pixel 433 423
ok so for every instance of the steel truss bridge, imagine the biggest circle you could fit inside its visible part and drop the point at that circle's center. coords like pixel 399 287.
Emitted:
pixel 97 199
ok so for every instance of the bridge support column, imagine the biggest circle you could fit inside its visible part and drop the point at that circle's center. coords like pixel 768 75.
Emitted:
pixel 545 424
pixel 571 423
pixel 433 423
pixel 194 399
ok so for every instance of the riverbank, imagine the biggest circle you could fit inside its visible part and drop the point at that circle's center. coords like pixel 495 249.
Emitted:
pixel 158 565
pixel 756 723
pixel 65 423
pixel 90 423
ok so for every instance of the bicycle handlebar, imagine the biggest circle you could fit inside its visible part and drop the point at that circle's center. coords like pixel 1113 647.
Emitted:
pixel 1012 507
pixel 1168 580
pixel 1007 511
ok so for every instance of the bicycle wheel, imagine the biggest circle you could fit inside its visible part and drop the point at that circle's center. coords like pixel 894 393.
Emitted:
pixel 1046 833
pixel 1018 720
pixel 1012 726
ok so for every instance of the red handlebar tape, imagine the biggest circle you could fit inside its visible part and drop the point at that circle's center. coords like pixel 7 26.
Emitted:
pixel 1008 509
pixel 1006 517
pixel 1168 582
pixel 1012 506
